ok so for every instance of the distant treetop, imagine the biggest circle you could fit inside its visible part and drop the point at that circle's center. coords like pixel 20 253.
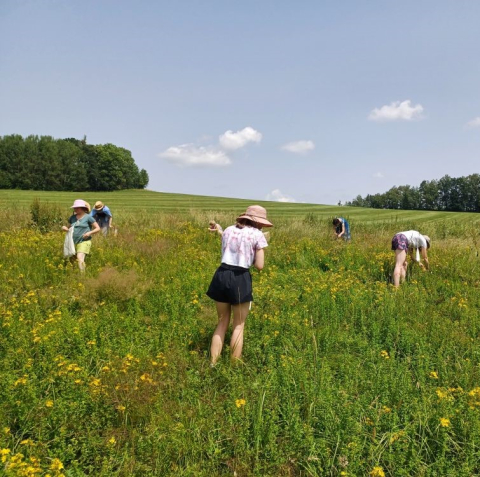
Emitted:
pixel 45 163
pixel 461 194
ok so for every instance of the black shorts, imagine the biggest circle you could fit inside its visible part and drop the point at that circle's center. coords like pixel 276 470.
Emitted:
pixel 231 284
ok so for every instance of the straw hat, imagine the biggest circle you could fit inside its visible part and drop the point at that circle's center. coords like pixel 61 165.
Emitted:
pixel 256 213
pixel 98 205
pixel 79 203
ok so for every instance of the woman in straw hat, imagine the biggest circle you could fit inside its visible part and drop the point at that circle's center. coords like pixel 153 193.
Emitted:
pixel 404 242
pixel 84 227
pixel 231 287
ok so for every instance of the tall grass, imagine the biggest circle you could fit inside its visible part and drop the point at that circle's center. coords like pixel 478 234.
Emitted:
pixel 342 374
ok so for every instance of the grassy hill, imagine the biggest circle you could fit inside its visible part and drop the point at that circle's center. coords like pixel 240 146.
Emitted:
pixel 132 201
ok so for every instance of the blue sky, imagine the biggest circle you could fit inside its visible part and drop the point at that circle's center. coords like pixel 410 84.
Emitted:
pixel 309 101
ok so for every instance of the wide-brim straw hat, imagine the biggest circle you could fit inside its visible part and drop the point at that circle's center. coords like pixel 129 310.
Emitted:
pixel 98 205
pixel 81 203
pixel 257 214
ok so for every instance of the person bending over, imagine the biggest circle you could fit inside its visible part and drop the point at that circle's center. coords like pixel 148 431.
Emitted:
pixel 405 243
pixel 215 228
pixel 341 228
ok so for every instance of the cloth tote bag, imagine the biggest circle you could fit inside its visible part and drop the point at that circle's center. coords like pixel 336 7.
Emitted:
pixel 68 245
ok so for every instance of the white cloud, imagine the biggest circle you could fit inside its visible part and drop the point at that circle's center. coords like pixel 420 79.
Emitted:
pixel 397 111
pixel 299 147
pixel 231 140
pixel 277 196
pixel 191 155
pixel 211 155
pixel 474 123
pixel 378 175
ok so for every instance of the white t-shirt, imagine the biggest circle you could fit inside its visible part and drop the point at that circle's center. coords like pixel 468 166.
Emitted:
pixel 415 239
pixel 239 245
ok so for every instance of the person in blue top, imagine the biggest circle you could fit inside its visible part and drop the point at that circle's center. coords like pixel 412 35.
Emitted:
pixel 342 228
pixel 84 226
pixel 101 213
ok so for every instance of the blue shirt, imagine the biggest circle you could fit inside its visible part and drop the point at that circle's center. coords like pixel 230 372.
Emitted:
pixel 102 216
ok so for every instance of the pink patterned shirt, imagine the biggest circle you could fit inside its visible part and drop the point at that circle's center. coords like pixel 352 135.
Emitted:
pixel 239 245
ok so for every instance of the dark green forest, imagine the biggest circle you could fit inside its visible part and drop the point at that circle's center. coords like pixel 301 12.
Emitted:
pixel 456 194
pixel 45 163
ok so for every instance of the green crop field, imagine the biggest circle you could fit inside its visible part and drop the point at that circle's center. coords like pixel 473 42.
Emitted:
pixel 107 373
pixel 127 203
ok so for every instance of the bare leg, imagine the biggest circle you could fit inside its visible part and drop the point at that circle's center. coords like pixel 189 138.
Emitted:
pixel 400 270
pixel 240 313
pixel 81 261
pixel 223 311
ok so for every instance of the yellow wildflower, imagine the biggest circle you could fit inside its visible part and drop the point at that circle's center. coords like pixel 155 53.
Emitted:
pixel 377 472
pixel 27 442
pixel 56 465
pixel 240 402
pixel 49 403
pixel 441 394
pixel 444 422
pixel 433 374
pixel 146 377
pixel 20 381
pixel 4 453
pixel 395 436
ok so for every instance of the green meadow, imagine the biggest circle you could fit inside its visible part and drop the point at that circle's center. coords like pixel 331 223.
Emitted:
pixel 107 373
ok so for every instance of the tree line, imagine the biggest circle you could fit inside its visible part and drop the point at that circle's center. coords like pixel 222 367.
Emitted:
pixel 459 194
pixel 45 163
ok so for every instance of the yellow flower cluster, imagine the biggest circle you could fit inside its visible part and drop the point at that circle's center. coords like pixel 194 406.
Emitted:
pixel 377 472
pixel 474 398
pixel 240 402
pixel 16 465
pixel 444 422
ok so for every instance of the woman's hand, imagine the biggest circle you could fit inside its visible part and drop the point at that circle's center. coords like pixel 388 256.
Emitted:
pixel 96 229
pixel 65 229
